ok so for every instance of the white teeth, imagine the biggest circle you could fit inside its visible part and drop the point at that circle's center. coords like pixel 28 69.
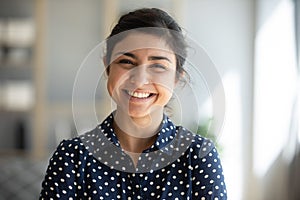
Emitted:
pixel 139 94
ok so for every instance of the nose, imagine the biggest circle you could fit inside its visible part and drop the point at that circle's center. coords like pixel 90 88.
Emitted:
pixel 139 76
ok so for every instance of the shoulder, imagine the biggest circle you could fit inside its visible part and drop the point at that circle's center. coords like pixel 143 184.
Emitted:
pixel 72 143
pixel 68 151
pixel 198 145
pixel 203 146
pixel 196 139
pixel 76 146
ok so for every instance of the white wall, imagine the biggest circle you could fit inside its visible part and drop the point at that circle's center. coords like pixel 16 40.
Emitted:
pixel 72 30
pixel 275 88
pixel 226 30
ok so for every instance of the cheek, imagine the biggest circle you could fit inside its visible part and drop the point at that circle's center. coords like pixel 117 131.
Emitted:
pixel 112 82
pixel 115 79
pixel 165 85
pixel 165 94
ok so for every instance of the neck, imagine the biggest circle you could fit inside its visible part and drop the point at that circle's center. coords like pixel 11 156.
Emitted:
pixel 138 127
pixel 133 144
pixel 136 134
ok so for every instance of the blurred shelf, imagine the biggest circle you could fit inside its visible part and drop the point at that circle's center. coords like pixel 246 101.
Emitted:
pixel 16 8
pixel 17 85
pixel 13 152
pixel 16 73
pixel 19 113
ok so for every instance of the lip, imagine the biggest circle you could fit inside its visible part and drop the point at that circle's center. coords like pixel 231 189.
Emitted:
pixel 142 96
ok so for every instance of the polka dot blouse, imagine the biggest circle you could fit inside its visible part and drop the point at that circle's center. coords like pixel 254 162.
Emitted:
pixel 179 165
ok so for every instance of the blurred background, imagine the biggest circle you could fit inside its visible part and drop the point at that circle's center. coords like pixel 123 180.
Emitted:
pixel 253 43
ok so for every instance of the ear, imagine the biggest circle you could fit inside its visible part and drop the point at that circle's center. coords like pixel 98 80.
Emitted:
pixel 179 77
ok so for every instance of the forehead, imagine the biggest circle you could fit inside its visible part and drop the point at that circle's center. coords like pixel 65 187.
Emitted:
pixel 138 41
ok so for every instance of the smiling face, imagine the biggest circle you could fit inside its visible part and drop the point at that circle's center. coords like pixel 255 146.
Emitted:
pixel 141 80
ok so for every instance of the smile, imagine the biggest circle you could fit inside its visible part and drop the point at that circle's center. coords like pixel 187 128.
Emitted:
pixel 140 95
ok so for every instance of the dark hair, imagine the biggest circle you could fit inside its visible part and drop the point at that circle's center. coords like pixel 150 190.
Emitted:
pixel 151 17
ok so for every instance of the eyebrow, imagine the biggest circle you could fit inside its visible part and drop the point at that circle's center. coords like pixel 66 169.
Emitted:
pixel 126 54
pixel 159 58
pixel 150 57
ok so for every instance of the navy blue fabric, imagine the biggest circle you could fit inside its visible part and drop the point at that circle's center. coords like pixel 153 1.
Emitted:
pixel 78 168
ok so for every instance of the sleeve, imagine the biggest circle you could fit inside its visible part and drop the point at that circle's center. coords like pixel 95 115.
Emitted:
pixel 208 178
pixel 60 179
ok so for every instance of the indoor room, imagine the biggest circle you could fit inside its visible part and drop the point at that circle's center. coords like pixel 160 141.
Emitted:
pixel 243 94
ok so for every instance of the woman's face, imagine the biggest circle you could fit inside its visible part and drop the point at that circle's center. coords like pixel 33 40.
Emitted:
pixel 142 74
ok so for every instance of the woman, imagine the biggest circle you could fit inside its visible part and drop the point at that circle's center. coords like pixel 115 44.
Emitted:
pixel 137 152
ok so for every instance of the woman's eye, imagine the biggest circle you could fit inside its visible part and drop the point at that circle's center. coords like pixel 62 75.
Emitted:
pixel 126 61
pixel 158 67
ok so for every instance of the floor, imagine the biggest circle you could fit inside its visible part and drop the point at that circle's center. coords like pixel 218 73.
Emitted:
pixel 20 177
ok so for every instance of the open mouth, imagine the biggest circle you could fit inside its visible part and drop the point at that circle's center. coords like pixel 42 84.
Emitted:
pixel 139 95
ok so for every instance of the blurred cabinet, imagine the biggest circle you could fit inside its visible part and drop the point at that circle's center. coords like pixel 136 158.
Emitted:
pixel 38 68
pixel 17 87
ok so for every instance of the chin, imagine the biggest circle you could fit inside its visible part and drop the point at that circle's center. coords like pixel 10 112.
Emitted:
pixel 138 114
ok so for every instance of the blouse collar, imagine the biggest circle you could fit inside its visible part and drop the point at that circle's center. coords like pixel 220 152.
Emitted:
pixel 165 134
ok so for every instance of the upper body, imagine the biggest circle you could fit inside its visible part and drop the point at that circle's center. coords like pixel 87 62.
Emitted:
pixel 137 152
pixel 78 170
